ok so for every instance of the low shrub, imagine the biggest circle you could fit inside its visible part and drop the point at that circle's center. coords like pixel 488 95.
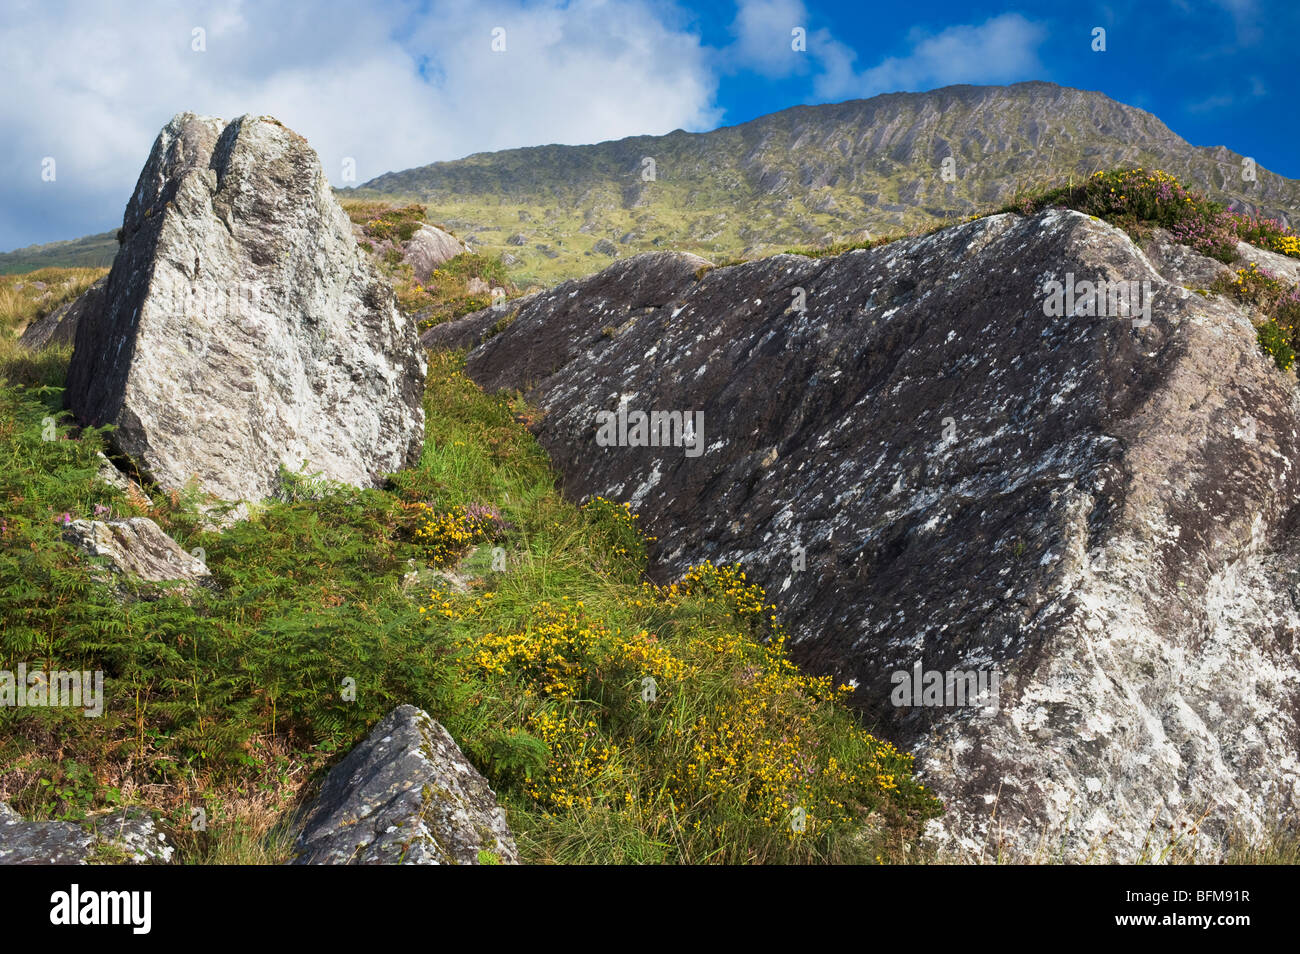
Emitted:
pixel 1277 300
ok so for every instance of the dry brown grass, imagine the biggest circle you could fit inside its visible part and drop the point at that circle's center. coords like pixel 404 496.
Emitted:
pixel 26 297
pixel 246 823
pixel 33 369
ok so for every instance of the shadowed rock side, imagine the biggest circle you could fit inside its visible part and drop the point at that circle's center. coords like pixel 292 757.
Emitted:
pixel 406 795
pixel 1099 512
pixel 242 328
pixel 59 327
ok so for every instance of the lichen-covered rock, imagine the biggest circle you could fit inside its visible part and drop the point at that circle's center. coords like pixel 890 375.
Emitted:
pixel 428 248
pixel 59 327
pixel 138 548
pixel 1191 268
pixel 129 837
pixel 109 474
pixel 243 330
pixel 1283 266
pixel 125 837
pixel 41 843
pixel 406 795
pixel 926 463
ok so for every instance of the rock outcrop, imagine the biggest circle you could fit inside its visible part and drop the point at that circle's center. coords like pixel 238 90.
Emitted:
pixel 109 474
pixel 59 327
pixel 428 248
pixel 933 461
pixel 406 795
pixel 243 330
pixel 138 549
pixel 126 837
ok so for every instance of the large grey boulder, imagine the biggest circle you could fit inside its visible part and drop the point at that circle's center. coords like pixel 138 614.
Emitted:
pixel 428 248
pixel 406 795
pixel 925 462
pixel 124 837
pixel 59 327
pixel 138 548
pixel 243 330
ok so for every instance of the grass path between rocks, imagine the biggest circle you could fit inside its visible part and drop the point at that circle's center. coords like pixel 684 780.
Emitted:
pixel 618 721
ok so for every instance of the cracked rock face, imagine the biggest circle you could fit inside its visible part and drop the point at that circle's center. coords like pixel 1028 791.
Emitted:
pixel 127 837
pixel 924 467
pixel 138 548
pixel 242 328
pixel 406 795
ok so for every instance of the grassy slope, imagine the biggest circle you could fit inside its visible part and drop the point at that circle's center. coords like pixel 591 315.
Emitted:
pixel 232 702
pixel 26 297
pixel 91 251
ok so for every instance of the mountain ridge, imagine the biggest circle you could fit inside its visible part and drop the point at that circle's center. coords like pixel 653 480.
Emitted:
pixel 813 174
pixel 804 175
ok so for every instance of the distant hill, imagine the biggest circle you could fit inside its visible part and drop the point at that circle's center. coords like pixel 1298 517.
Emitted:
pixel 809 174
pixel 803 176
pixel 92 251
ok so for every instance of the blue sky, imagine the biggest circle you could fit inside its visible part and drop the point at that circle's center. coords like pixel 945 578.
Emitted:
pixel 399 83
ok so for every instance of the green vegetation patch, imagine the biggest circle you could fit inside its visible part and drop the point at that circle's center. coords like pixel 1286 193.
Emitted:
pixel 1138 199
pixel 618 721
pixel 1277 300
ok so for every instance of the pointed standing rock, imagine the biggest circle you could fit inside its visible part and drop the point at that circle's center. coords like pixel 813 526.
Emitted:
pixel 406 795
pixel 242 327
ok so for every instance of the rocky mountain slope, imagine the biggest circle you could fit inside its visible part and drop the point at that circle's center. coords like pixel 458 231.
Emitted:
pixel 810 175
pixel 458 591
pixel 803 176
pixel 1021 490
pixel 933 465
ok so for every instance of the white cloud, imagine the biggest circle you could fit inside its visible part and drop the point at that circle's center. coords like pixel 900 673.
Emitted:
pixel 763 37
pixel 1000 50
pixel 392 86
pixel 762 44
pixel 1246 16
pixel 1247 89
